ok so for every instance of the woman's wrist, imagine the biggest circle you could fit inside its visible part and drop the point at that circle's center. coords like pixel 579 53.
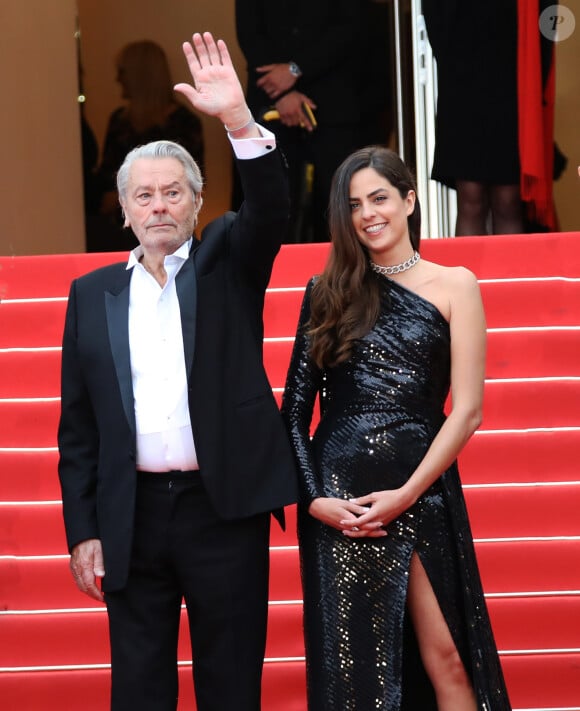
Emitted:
pixel 408 495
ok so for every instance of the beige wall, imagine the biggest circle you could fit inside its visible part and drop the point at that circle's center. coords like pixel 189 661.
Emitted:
pixel 40 170
pixel 109 24
pixel 567 124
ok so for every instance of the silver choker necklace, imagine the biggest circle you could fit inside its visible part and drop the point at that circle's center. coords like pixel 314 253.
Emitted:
pixel 396 268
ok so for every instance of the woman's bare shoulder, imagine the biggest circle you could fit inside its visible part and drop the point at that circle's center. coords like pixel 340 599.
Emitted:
pixel 456 277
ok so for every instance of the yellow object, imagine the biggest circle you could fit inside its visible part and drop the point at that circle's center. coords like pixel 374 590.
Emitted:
pixel 274 115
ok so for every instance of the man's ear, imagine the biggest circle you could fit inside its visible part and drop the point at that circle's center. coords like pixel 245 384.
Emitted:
pixel 126 222
pixel 198 202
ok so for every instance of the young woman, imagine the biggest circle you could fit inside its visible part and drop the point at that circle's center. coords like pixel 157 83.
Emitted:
pixel 394 613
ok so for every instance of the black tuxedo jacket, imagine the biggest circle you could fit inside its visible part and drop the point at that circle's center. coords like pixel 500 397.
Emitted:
pixel 245 458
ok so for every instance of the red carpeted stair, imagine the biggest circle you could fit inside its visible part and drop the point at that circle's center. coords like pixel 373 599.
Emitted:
pixel 520 473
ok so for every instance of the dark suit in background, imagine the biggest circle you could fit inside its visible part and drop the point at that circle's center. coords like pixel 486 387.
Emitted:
pixel 324 39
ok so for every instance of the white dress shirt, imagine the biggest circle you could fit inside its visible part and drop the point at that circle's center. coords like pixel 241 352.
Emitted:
pixel 164 434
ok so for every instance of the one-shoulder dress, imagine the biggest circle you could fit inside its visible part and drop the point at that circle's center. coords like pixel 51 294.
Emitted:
pixel 379 412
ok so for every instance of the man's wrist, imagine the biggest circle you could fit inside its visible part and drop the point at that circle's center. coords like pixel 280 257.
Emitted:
pixel 242 130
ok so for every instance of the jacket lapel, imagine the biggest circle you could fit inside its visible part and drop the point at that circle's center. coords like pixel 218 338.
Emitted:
pixel 117 309
pixel 186 287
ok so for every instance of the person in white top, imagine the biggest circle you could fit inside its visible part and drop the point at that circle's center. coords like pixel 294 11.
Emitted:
pixel 173 455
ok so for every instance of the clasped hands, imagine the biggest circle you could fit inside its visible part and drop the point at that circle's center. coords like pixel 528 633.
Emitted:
pixel 363 517
pixel 275 79
pixel 277 82
pixel 291 110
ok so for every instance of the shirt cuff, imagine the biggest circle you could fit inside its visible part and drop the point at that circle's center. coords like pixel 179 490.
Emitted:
pixel 255 147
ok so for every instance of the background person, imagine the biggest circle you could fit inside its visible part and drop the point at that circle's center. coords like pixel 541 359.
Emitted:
pixel 172 450
pixel 476 125
pixel 394 612
pixel 305 52
pixel 151 113
pixel 495 113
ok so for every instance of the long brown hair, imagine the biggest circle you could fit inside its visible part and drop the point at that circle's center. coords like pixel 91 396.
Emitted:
pixel 345 298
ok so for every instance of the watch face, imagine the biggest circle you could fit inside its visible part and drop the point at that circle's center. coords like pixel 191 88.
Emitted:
pixel 294 69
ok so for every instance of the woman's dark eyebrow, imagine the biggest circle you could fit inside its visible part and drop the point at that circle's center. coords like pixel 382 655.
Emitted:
pixel 372 194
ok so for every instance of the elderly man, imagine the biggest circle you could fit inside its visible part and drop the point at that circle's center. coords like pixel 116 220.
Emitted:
pixel 172 450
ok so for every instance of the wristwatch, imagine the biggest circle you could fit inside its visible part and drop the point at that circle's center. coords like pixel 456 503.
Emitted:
pixel 294 69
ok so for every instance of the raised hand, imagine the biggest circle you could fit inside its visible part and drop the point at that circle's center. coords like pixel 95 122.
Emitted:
pixel 216 89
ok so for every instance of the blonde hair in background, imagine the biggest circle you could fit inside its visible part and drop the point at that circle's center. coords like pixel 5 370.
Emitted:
pixel 143 72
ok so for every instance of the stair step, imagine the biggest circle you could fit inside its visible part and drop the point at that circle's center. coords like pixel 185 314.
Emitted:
pixel 526 354
pixel 542 681
pixel 488 458
pixel 535 682
pixel 32 583
pixel 555 302
pixel 507 405
pixel 507 566
pixel 29 423
pixel 523 404
pixel 533 354
pixel 506 512
pixel 536 456
pixel 533 623
pixel 283 689
pixel 495 512
pixel 528 404
pixel 529 565
pixel 528 511
pixel 546 254
pixel 507 304
pixel 38 529
pixel 29 475
pixel 35 324
pixel 30 373
pixel 48 276
pixel 80 637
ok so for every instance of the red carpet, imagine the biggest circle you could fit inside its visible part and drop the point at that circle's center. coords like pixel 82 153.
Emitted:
pixel 520 473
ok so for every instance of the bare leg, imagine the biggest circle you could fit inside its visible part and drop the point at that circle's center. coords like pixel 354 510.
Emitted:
pixel 506 209
pixel 441 660
pixel 472 208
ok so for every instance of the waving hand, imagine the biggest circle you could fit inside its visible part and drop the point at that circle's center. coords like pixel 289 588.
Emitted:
pixel 216 89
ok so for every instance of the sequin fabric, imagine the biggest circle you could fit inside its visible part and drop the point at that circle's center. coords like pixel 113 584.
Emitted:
pixel 379 413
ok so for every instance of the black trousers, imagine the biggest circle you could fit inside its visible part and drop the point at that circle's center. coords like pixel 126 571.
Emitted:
pixel 182 550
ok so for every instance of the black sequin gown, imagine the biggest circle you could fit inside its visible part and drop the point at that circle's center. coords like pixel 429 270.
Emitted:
pixel 379 413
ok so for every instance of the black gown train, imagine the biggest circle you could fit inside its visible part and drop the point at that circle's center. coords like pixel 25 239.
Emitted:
pixel 380 411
